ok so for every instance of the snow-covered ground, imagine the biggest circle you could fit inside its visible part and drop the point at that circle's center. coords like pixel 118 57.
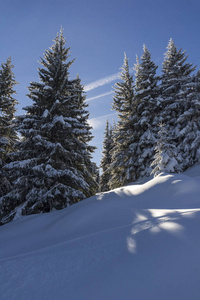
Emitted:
pixel 133 243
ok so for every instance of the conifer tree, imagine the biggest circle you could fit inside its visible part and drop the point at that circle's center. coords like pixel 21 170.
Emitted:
pixel 105 177
pixel 48 167
pixel 166 158
pixel 88 168
pixel 145 100
pixel 8 134
pixel 176 74
pixel 138 121
pixel 122 170
pixel 189 123
pixel 175 82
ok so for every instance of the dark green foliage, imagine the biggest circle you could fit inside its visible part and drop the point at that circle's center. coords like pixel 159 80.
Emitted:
pixel 8 135
pixel 52 168
pixel 166 158
pixel 124 105
pixel 188 123
pixel 174 101
pixel 135 135
pixel 88 169
pixel 145 99
pixel 175 88
pixel 176 75
pixel 106 160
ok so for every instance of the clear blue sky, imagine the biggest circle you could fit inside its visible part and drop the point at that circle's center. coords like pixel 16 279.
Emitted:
pixel 98 33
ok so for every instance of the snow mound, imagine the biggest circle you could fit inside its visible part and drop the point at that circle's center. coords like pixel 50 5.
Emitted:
pixel 136 242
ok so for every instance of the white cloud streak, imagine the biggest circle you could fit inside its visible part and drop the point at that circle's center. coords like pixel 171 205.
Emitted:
pixel 99 96
pixel 97 123
pixel 101 82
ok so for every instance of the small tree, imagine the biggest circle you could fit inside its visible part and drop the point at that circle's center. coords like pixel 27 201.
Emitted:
pixel 105 177
pixel 8 134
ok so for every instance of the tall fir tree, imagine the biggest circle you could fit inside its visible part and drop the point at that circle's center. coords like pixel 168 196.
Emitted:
pixel 145 98
pixel 175 76
pixel 105 177
pixel 122 168
pixel 88 168
pixel 8 134
pixel 49 167
pixel 188 123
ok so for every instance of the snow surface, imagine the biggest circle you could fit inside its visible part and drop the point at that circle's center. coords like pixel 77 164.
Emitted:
pixel 133 243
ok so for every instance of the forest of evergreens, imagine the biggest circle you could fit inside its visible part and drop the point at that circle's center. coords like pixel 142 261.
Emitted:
pixel 159 120
pixel 46 153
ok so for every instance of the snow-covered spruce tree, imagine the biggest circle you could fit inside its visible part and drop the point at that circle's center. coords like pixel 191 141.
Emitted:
pixel 8 134
pixel 166 158
pixel 105 177
pixel 189 123
pixel 48 168
pixel 88 168
pixel 175 76
pixel 122 167
pixel 145 100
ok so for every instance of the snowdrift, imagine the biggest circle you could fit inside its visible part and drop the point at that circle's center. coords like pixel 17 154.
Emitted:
pixel 136 242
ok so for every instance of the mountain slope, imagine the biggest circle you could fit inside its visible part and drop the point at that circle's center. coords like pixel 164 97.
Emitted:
pixel 136 242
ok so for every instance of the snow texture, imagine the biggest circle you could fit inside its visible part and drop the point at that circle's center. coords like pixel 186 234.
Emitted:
pixel 136 242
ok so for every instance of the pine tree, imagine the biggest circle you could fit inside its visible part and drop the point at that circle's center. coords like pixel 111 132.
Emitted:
pixel 176 75
pixel 122 168
pixel 8 135
pixel 166 158
pixel 88 168
pixel 105 177
pixel 48 167
pixel 189 123
pixel 145 99
pixel 175 88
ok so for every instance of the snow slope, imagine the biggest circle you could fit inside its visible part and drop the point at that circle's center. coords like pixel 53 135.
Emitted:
pixel 137 242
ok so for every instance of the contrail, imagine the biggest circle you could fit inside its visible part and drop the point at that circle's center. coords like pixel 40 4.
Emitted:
pixel 99 96
pixel 101 82
pixel 97 123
